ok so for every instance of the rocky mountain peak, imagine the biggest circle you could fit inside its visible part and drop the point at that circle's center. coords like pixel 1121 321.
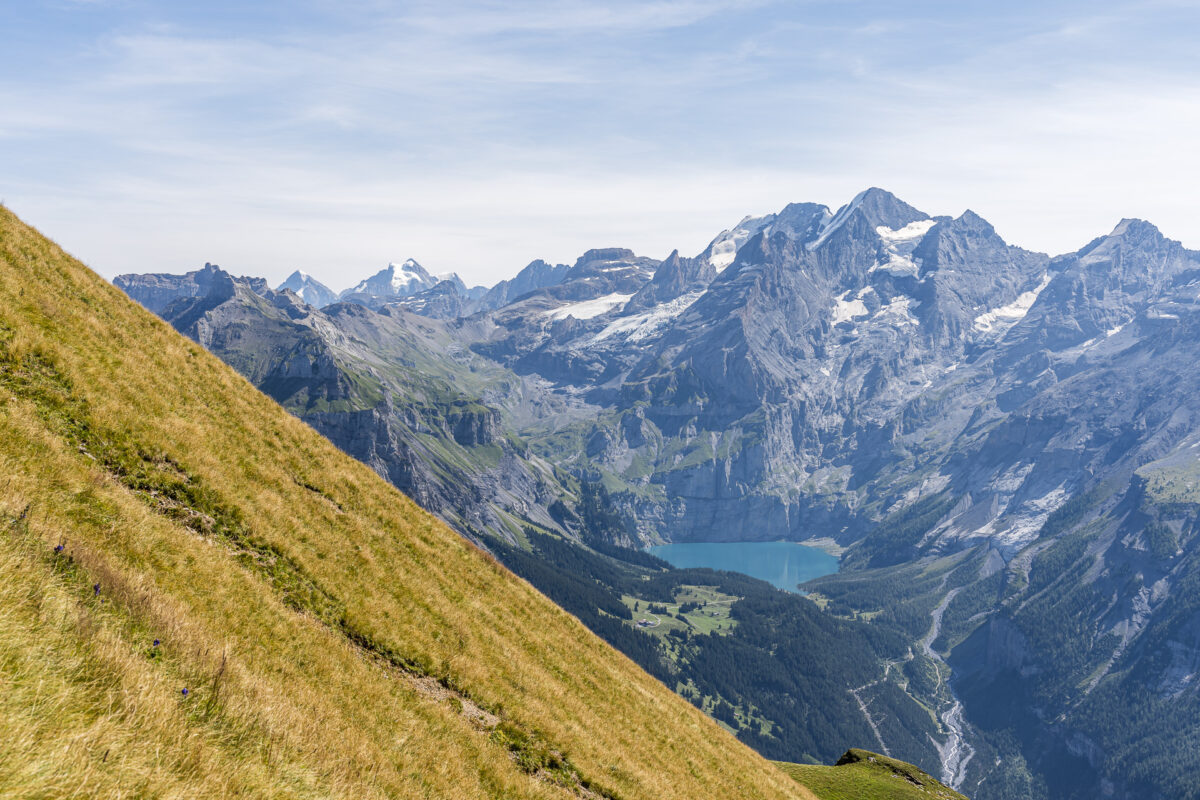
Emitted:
pixel 538 274
pixel 969 219
pixel 308 289
pixel 611 268
pixel 156 291
pixel 392 282
pixel 674 277
pixel 881 207
pixel 1128 235
pixel 802 221
pixel 944 240
pixel 871 209
pixel 722 250
pixel 604 254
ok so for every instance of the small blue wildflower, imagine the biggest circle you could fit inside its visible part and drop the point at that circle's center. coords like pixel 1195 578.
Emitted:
pixel 156 642
pixel 58 548
pixel 185 692
pixel 96 588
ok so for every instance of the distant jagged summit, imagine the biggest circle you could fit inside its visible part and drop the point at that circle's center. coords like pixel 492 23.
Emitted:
pixel 155 291
pixel 394 280
pixel 309 289
pixel 398 281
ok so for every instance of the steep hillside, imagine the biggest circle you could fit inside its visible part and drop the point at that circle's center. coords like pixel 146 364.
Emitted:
pixel 167 528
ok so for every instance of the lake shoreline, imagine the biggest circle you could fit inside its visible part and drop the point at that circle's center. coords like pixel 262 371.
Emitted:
pixel 826 543
pixel 784 564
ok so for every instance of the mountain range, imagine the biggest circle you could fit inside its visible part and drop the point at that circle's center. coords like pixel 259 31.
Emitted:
pixel 1003 441
pixel 204 598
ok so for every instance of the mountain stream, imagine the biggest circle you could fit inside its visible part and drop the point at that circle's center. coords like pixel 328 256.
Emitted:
pixel 955 752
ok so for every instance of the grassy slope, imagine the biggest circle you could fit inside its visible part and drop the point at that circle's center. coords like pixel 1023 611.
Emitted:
pixel 336 639
pixel 870 776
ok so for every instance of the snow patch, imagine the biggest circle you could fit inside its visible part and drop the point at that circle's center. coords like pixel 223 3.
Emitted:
pixel 845 310
pixel 587 309
pixel 999 320
pixel 899 311
pixel 406 276
pixel 1011 479
pixel 911 233
pixel 641 326
pixel 401 280
pixel 723 254
pixel 898 245
pixel 896 312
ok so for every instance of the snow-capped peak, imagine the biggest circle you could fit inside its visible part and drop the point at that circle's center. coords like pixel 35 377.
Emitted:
pixel 309 289
pixel 396 280
pixel 406 275
pixel 722 250
pixel 837 220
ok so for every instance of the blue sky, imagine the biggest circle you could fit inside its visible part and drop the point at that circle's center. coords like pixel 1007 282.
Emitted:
pixel 335 136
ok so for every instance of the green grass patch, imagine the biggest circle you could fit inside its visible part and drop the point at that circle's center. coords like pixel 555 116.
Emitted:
pixel 863 775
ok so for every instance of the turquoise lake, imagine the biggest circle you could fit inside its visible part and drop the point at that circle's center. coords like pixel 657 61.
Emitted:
pixel 782 564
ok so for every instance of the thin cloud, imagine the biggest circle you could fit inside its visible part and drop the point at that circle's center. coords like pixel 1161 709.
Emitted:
pixel 478 140
pixel 495 19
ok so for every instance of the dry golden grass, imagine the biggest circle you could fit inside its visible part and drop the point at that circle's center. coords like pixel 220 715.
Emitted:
pixel 88 708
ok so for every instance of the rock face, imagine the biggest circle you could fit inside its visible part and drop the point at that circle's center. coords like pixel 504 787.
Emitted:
pixel 673 279
pixel 156 291
pixel 769 388
pixel 536 275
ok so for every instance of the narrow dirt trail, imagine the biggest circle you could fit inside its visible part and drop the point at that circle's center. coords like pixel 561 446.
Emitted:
pixel 883 748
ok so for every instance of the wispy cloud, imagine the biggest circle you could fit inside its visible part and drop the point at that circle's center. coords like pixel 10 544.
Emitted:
pixel 343 134
pixel 572 16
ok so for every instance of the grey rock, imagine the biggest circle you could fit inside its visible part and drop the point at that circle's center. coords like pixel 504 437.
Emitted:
pixel 155 291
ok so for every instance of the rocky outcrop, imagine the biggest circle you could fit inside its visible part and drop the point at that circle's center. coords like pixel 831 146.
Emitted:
pixel 673 278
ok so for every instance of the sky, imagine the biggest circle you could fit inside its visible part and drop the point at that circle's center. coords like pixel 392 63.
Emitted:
pixel 335 136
